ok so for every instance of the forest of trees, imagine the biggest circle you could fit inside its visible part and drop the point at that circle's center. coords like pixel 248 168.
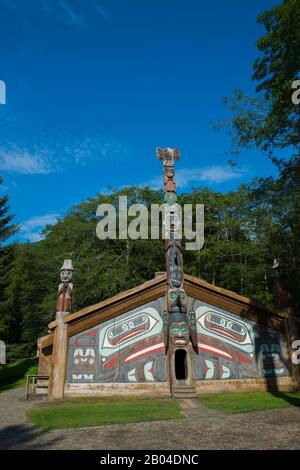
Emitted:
pixel 244 229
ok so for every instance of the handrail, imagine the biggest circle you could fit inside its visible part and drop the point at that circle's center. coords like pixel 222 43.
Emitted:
pixel 32 380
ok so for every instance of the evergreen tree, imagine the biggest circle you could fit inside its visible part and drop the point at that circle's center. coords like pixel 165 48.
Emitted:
pixel 7 229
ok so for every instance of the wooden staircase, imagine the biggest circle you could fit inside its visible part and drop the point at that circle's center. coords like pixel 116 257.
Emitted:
pixel 183 391
pixel 37 386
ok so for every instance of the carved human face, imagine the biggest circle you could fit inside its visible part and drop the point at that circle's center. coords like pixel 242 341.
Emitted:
pixel 179 333
pixel 169 171
pixel 66 275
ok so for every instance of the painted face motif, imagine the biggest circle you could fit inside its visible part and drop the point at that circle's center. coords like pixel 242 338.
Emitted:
pixel 66 275
pixel 231 329
pixel 128 329
pixel 192 318
pixel 179 333
pixel 168 154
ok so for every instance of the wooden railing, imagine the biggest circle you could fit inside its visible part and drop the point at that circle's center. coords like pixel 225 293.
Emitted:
pixel 34 383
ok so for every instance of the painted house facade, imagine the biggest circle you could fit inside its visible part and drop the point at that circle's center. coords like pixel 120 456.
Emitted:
pixel 173 335
pixel 119 345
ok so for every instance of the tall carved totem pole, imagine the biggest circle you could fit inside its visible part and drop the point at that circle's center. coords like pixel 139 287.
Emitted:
pixel 177 332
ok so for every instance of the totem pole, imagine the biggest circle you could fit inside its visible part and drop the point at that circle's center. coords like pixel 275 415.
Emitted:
pixel 65 288
pixel 60 340
pixel 175 319
pixel 284 304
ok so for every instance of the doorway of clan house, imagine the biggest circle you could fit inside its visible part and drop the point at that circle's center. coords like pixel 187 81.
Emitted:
pixel 180 364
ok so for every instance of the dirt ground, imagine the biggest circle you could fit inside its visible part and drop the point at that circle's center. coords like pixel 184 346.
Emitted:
pixel 202 429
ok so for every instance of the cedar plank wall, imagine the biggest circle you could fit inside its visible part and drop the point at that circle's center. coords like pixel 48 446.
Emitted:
pixel 153 289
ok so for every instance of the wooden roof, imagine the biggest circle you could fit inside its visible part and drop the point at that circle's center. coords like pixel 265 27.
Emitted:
pixel 157 287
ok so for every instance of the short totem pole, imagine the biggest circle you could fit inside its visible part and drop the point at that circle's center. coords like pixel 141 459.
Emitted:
pixel 60 342
pixel 65 288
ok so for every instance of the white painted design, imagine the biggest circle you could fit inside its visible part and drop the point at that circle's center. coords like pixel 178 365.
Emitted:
pixel 131 375
pixel 128 327
pixel 228 326
pixel 148 372
pixel 210 369
pixel 226 372
pixel 87 356
pixel 214 350
pixel 83 376
pixel 144 351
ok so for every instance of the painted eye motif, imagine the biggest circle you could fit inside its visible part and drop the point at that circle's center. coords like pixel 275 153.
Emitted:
pixel 213 318
pixel 236 327
pixel 182 295
pixel 118 330
pixel 184 329
pixel 174 331
pixel 172 296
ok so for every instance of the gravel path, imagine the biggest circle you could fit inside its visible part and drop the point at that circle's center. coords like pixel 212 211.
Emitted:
pixel 202 429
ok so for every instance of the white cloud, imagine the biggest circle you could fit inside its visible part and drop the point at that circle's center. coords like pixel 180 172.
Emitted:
pixel 189 176
pixel 21 160
pixel 92 150
pixel 42 160
pixel 102 11
pixel 70 15
pixel 32 228
pixel 70 12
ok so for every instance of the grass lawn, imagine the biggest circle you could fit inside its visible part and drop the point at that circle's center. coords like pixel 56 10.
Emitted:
pixel 13 375
pixel 230 403
pixel 86 412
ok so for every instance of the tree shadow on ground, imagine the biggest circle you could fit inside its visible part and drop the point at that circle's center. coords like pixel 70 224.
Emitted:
pixel 22 436
pixel 292 400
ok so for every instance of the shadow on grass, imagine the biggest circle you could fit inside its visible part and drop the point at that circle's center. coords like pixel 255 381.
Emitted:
pixel 12 375
pixel 292 400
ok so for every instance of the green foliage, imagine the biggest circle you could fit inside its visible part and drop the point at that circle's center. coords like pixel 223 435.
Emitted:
pixel 33 370
pixel 13 375
pixel 7 229
pixel 244 231
pixel 88 412
pixel 230 403
pixel 269 120
pixel 7 253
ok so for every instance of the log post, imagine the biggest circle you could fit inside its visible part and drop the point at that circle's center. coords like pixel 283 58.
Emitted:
pixel 59 358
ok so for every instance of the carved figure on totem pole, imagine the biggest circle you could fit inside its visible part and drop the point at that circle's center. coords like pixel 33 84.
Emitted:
pixel 65 288
pixel 178 327
pixel 174 263
pixel 179 330
pixel 168 156
pixel 193 329
pixel 283 296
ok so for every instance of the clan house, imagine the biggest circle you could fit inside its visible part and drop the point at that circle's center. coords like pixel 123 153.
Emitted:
pixel 174 335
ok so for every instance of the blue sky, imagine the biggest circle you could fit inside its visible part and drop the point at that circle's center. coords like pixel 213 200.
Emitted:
pixel 93 87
